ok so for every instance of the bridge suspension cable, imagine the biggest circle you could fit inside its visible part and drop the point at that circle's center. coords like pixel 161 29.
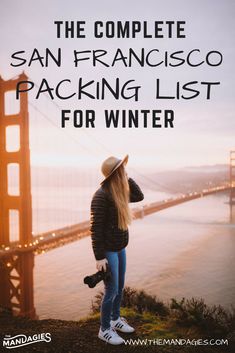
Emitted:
pixel 55 125
pixel 153 184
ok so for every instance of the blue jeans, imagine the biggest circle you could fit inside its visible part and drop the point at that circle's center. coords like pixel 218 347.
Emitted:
pixel 111 302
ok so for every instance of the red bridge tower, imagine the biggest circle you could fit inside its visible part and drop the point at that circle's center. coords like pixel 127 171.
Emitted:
pixel 16 270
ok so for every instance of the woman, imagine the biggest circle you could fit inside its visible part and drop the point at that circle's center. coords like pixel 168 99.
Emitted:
pixel 110 217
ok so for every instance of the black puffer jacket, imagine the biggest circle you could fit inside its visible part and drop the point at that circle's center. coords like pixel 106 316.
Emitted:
pixel 105 234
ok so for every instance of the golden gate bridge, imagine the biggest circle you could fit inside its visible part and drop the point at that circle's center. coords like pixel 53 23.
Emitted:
pixel 17 256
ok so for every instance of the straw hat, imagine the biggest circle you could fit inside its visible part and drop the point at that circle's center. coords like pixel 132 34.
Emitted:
pixel 110 165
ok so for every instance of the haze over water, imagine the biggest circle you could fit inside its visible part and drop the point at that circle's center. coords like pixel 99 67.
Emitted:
pixel 184 251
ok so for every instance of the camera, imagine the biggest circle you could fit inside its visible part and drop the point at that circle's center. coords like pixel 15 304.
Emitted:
pixel 92 280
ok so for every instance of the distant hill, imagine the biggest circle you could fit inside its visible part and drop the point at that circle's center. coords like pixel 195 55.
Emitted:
pixel 179 180
pixel 192 178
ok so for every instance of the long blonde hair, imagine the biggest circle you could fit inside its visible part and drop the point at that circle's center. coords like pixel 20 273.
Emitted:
pixel 118 186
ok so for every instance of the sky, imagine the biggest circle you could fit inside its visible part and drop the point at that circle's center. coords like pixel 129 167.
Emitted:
pixel 204 130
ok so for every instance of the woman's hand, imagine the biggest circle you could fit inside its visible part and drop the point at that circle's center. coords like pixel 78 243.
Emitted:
pixel 101 264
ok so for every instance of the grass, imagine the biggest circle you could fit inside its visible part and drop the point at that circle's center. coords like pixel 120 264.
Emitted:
pixel 152 318
pixel 209 321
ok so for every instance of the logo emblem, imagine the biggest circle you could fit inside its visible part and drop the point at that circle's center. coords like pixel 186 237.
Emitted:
pixel 21 340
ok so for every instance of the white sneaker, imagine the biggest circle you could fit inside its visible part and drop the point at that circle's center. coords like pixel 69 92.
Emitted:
pixel 121 325
pixel 110 335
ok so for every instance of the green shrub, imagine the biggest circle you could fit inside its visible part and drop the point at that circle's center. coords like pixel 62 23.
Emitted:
pixel 138 300
pixel 141 301
pixel 213 319
pixel 192 314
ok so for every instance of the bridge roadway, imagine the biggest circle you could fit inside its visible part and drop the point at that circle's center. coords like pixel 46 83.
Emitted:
pixel 59 237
